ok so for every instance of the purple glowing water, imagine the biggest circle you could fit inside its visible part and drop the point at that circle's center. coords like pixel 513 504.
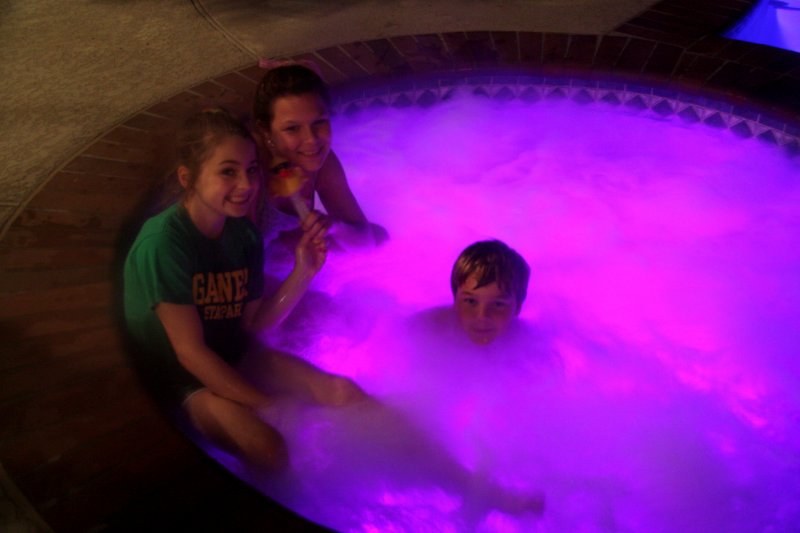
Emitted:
pixel 665 262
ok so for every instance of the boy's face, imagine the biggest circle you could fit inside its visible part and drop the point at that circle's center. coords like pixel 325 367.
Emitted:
pixel 484 313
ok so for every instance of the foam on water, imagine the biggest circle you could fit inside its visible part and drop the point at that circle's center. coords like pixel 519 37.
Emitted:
pixel 665 262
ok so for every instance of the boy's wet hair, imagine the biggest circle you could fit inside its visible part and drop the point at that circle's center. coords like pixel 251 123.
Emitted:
pixel 286 80
pixel 489 262
pixel 202 133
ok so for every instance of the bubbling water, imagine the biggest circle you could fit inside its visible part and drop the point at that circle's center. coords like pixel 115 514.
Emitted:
pixel 665 261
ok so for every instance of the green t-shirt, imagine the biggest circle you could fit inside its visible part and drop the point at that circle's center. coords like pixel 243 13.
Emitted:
pixel 172 262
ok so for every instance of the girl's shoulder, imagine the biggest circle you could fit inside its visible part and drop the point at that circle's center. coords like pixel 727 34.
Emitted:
pixel 173 222
pixel 274 221
pixel 170 231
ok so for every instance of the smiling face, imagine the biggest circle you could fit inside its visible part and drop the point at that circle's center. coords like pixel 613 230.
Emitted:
pixel 225 186
pixel 300 131
pixel 484 313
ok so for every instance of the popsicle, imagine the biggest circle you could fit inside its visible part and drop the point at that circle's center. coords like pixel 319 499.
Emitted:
pixel 286 183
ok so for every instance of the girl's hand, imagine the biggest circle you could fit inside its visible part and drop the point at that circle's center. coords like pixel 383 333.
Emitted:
pixel 312 249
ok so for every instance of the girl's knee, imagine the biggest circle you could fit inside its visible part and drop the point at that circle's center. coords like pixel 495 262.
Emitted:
pixel 238 431
pixel 341 391
pixel 268 451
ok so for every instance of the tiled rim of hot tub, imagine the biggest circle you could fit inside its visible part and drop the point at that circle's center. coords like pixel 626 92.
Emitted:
pixel 747 120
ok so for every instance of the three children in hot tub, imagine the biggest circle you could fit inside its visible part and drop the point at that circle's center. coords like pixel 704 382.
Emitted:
pixel 194 281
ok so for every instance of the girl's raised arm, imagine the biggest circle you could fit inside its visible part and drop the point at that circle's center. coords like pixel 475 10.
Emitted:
pixel 310 253
pixel 335 193
pixel 342 206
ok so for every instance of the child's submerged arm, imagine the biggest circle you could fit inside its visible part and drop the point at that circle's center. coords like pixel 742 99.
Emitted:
pixel 185 333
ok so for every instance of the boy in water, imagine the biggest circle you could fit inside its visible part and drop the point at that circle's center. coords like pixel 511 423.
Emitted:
pixel 464 356
pixel 489 283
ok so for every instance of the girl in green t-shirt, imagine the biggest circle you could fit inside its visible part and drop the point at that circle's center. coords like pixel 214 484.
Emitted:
pixel 194 296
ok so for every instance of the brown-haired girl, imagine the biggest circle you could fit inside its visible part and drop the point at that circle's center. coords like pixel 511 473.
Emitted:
pixel 194 295
pixel 291 110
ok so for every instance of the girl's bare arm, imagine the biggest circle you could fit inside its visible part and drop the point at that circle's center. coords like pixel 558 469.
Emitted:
pixel 335 193
pixel 185 332
pixel 351 226
pixel 310 253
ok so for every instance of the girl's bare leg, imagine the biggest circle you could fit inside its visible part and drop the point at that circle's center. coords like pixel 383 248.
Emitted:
pixel 283 373
pixel 237 430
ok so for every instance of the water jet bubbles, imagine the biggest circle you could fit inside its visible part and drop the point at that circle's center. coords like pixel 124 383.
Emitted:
pixel 664 264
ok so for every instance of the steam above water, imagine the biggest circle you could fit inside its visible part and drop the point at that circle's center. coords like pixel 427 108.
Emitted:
pixel 665 286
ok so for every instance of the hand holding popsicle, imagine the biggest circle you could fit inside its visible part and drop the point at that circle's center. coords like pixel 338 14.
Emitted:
pixel 286 183
pixel 312 248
